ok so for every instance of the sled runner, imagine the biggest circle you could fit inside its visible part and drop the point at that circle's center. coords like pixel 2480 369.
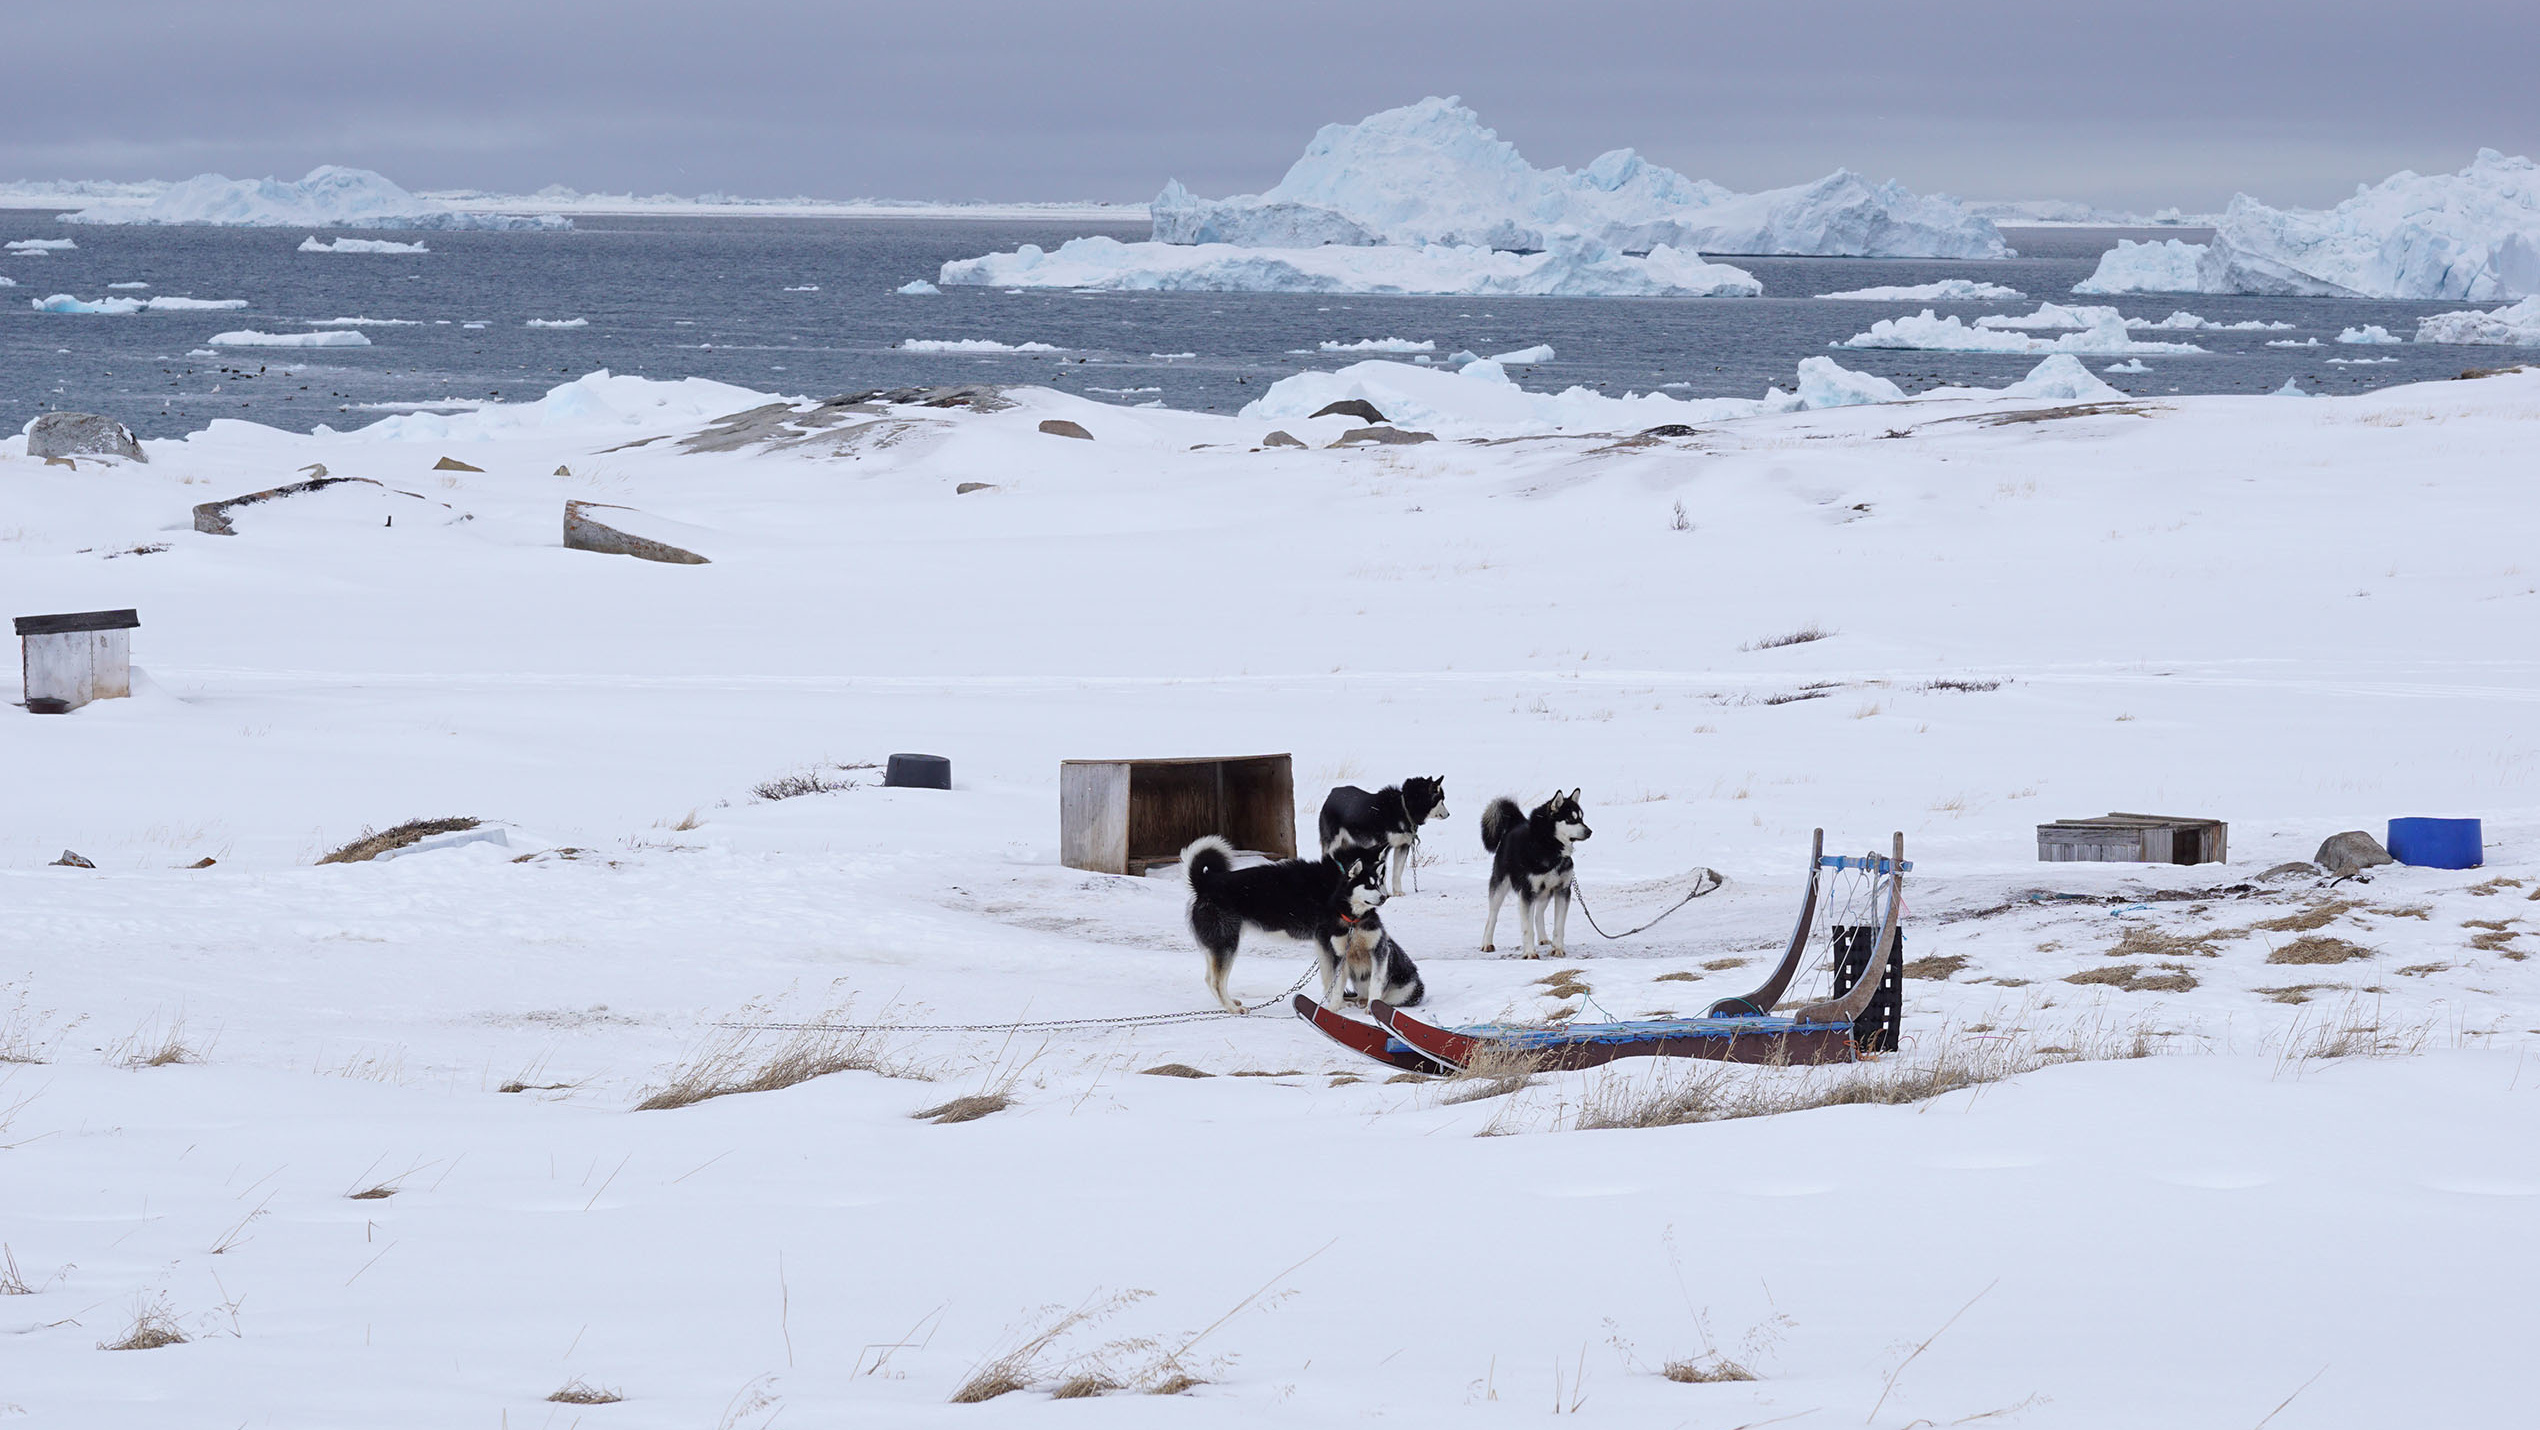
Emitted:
pixel 1367 1038
pixel 1860 1014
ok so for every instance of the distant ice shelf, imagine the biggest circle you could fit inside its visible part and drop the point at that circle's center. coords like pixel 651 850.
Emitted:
pixel 330 196
pixel 1577 269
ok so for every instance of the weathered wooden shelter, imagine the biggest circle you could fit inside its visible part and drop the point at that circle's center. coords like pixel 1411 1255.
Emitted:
pixel 1125 816
pixel 75 657
pixel 2134 839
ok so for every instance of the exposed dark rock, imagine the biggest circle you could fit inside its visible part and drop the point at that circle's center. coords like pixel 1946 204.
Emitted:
pixel 1280 439
pixel 584 532
pixel 1357 407
pixel 1061 427
pixel 1387 436
pixel 82 434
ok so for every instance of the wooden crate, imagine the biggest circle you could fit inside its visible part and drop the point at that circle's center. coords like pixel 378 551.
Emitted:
pixel 2134 839
pixel 75 657
pixel 1124 816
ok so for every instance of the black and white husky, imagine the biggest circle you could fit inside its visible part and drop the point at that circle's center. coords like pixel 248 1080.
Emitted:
pixel 1371 966
pixel 1388 819
pixel 1322 901
pixel 1530 853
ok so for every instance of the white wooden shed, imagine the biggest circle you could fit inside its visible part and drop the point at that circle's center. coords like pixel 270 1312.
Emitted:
pixel 76 657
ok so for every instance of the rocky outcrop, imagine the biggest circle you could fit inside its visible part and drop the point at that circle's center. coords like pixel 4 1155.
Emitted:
pixel 1384 436
pixel 2351 853
pixel 81 434
pixel 1281 439
pixel 1061 427
pixel 1357 407
pixel 585 532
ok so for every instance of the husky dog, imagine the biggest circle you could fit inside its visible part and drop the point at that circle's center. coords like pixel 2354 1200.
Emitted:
pixel 1530 853
pixel 1388 819
pixel 1373 965
pixel 1316 899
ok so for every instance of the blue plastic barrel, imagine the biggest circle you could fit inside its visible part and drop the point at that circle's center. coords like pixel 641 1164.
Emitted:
pixel 2437 843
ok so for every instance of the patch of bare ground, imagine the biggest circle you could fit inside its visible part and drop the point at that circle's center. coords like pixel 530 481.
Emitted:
pixel 1937 965
pixel 374 843
pixel 578 1391
pixel 2318 948
pixel 2132 978
pixel 743 1060
pixel 1174 1070
pixel 153 1326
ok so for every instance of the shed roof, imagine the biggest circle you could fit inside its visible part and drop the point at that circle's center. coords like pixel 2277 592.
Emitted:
pixel 122 620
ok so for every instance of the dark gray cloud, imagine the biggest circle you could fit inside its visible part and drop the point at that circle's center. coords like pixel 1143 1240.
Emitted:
pixel 2131 104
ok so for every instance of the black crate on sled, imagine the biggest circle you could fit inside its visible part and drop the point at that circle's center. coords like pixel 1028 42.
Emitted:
pixel 1875 1031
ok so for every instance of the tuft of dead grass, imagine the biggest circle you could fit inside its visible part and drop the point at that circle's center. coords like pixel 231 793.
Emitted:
pixel 2353 1029
pixel 1680 976
pixel 2132 978
pixel 1713 1371
pixel 1025 1363
pixel 379 1193
pixel 1722 965
pixel 1084 1386
pixel 965 1109
pixel 1174 1070
pixel 2316 916
pixel 153 1326
pixel 2495 886
pixel 1802 636
pixel 1563 983
pixel 2319 948
pixel 1937 965
pixel 2145 941
pixel 742 1062
pixel 13 1281
pixel 811 781
pixel 1493 1072
pixel 145 1049
pixel 372 843
pixel 578 1391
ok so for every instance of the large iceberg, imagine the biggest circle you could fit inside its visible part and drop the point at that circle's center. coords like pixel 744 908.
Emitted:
pixel 2517 325
pixel 1575 268
pixel 2473 235
pixel 332 196
pixel 1430 173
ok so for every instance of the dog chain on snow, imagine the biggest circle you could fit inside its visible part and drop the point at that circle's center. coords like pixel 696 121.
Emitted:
pixel 1699 889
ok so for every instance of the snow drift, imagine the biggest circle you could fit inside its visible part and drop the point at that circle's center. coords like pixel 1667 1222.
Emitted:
pixel 1576 268
pixel 331 196
pixel 1430 173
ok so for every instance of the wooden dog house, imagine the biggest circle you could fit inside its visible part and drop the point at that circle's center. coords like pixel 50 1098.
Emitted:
pixel 1125 816
pixel 76 657
pixel 2134 839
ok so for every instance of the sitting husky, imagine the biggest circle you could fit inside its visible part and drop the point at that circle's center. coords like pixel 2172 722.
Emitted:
pixel 1371 966
pixel 1321 900
pixel 1530 853
pixel 1388 819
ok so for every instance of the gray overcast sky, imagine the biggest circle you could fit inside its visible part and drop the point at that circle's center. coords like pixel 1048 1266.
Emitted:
pixel 2132 104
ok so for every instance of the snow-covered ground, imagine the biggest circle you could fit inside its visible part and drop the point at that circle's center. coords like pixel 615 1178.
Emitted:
pixel 1431 174
pixel 2302 617
pixel 1575 269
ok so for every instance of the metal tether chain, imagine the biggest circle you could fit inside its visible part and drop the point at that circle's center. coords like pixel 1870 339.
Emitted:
pixel 1699 889
pixel 1044 1025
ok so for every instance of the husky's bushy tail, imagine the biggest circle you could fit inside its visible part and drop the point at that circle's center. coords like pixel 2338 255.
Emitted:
pixel 1498 817
pixel 1206 860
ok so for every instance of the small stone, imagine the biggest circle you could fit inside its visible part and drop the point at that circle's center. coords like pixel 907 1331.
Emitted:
pixel 1061 427
pixel 564 471
pixel 204 863
pixel 1357 407
pixel 2350 853
pixel 966 488
pixel 453 464
pixel 82 434
pixel 1280 439
pixel 1388 436
pixel 71 860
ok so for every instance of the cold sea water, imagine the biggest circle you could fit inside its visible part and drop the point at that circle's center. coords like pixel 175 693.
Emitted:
pixel 805 306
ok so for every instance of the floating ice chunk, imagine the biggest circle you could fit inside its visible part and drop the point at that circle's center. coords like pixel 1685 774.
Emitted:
pixel 973 345
pixel 1947 290
pixel 6 282
pixel 201 352
pixel 312 244
pixel 2061 378
pixel 339 338
pixel 1430 173
pixel 1171 357
pixel 2370 334
pixel 2473 235
pixel 331 196
pixel 557 323
pixel 2291 388
pixel 175 305
pixel 918 288
pixel 2055 315
pixel 1540 352
pixel 2293 342
pixel 1823 383
pixel 1930 332
pixel 65 303
pixel 2164 266
pixel 29 247
pixel 367 322
pixel 805 288
pixel 2517 325
pixel 2184 320
pixel 127 285
pixel 2357 362
pixel 1380 345
pixel 2129 365
pixel 1573 270
pixel 471 325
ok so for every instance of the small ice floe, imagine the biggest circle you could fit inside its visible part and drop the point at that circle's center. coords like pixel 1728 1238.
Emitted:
pixel 1380 345
pixel 65 303
pixel 127 285
pixel 2291 388
pixel 179 305
pixel 367 322
pixel 7 282
pixel 2371 334
pixel 250 338
pixel 2293 342
pixel 1947 290
pixel 1540 352
pixel 919 288
pixel 806 288
pixel 30 247
pixel 557 323
pixel 471 325
pixel 2129 365
pixel 972 345
pixel 1173 357
pixel 2102 331
pixel 312 244
pixel 2358 362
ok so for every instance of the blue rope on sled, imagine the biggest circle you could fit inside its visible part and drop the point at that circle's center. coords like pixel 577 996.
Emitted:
pixel 1644 1030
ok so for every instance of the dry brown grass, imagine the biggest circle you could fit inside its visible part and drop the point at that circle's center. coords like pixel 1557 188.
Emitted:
pixel 2319 948
pixel 1802 636
pixel 2316 916
pixel 2145 941
pixel 1493 1072
pixel 1026 1362
pixel 153 1326
pixel 1563 983
pixel 2352 1030
pixel 2420 970
pixel 13 1281
pixel 372 844
pixel 742 1062
pixel 965 1109
pixel 578 1391
pixel 1937 965
pixel 1410 1077
pixel 1174 1070
pixel 1677 977
pixel 2495 886
pixel 2296 992
pixel 1712 1371
pixel 1084 1385
pixel 379 1193
pixel 1718 965
pixel 146 1049
pixel 2131 978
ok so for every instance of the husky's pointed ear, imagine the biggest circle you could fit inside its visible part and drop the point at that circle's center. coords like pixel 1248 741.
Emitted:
pixel 1574 794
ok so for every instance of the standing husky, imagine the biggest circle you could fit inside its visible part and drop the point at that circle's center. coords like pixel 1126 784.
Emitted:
pixel 1317 899
pixel 1531 854
pixel 1388 819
